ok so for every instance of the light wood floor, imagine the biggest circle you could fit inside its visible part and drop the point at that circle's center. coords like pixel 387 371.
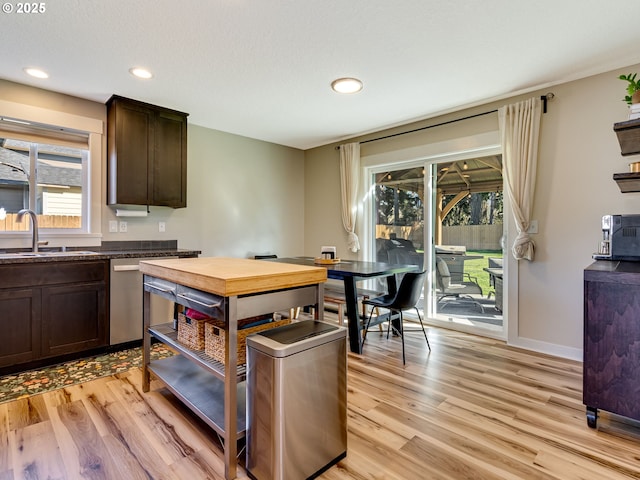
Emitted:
pixel 471 409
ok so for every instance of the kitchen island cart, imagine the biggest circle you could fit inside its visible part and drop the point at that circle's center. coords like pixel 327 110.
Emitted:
pixel 225 289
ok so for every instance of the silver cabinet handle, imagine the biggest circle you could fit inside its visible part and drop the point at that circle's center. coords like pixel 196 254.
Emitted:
pixel 126 268
pixel 155 287
pixel 186 297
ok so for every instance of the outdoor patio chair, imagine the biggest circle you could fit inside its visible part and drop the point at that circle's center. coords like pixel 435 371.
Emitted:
pixel 461 291
pixel 493 262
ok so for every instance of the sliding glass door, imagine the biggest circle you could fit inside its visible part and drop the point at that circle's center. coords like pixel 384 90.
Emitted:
pixel 446 217
pixel 399 210
pixel 466 214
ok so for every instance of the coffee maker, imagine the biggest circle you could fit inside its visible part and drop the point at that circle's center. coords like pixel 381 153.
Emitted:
pixel 605 243
pixel 620 238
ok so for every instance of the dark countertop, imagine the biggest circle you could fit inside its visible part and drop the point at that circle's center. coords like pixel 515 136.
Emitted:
pixel 108 251
pixel 613 271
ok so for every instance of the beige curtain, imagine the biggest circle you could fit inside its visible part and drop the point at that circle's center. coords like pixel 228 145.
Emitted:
pixel 520 129
pixel 349 175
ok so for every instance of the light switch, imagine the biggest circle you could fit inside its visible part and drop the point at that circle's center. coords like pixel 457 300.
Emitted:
pixel 162 226
pixel 113 226
pixel 533 226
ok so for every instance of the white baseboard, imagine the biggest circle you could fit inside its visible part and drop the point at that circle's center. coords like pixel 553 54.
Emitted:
pixel 548 348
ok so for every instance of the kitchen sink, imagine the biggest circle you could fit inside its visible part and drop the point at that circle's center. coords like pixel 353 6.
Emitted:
pixel 69 253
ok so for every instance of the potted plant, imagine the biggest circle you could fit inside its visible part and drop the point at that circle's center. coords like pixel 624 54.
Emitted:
pixel 633 89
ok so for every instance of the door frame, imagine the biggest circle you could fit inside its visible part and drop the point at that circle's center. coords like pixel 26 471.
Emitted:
pixel 426 155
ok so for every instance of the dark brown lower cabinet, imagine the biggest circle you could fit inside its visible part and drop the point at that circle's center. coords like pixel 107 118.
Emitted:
pixel 50 310
pixel 73 318
pixel 611 378
pixel 20 321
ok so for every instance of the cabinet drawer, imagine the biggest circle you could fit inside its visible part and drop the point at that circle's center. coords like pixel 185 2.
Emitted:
pixel 158 286
pixel 52 273
pixel 205 302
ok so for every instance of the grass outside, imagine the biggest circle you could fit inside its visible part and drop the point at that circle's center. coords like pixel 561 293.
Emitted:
pixel 475 267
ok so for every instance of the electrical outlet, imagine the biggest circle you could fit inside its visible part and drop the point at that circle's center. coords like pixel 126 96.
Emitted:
pixel 123 227
pixel 162 226
pixel 113 226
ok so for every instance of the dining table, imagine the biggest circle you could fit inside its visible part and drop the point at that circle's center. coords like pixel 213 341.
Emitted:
pixel 351 272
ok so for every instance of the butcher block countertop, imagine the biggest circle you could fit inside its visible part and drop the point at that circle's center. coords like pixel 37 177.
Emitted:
pixel 233 276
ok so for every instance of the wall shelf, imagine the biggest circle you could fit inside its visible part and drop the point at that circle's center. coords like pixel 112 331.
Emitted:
pixel 628 134
pixel 628 182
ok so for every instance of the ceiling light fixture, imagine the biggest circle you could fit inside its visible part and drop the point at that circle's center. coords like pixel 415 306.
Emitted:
pixel 465 166
pixel 346 85
pixel 36 72
pixel 141 72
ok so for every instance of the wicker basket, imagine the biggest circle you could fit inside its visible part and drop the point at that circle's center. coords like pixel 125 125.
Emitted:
pixel 191 331
pixel 214 337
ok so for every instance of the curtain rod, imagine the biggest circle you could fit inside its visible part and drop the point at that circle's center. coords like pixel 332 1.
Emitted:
pixel 544 99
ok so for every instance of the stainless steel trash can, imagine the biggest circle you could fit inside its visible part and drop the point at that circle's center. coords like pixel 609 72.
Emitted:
pixel 296 400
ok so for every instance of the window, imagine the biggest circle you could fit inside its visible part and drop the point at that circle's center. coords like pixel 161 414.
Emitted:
pixel 45 170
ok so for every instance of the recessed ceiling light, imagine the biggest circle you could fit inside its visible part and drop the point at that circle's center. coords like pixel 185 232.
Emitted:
pixel 346 85
pixel 36 72
pixel 140 72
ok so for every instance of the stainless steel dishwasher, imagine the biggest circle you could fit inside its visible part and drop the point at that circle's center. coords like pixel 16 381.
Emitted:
pixel 296 400
pixel 125 305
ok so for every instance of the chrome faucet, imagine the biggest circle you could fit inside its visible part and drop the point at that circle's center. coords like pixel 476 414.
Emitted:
pixel 34 227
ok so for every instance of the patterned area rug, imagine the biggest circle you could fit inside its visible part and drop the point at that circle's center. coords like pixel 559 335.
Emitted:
pixel 62 375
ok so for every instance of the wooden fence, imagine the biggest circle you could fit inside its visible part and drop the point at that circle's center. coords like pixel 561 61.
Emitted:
pixel 474 237
pixel 9 224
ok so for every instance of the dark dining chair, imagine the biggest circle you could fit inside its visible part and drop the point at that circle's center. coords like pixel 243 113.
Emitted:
pixel 406 298
pixel 294 312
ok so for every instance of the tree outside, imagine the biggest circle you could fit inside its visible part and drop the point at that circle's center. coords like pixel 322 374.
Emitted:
pixel 476 209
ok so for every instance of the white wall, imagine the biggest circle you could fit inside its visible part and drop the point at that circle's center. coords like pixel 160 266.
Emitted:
pixel 579 153
pixel 244 197
pixel 578 156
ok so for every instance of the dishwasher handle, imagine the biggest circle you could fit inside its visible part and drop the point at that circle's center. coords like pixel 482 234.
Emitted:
pixel 126 268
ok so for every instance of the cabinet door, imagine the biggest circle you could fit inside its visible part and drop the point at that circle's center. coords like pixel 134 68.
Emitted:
pixel 130 142
pixel 74 318
pixel 612 348
pixel 147 154
pixel 168 179
pixel 20 325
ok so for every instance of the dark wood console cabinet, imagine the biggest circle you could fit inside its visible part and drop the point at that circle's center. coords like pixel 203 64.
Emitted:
pixel 147 154
pixel 611 377
pixel 53 309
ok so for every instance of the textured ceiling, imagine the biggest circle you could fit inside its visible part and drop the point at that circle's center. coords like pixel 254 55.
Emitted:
pixel 262 69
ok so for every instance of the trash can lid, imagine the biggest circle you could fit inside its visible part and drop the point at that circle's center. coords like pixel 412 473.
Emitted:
pixel 295 337
pixel 295 332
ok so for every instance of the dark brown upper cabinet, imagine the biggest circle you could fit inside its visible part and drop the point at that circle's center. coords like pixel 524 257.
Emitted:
pixel 147 154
